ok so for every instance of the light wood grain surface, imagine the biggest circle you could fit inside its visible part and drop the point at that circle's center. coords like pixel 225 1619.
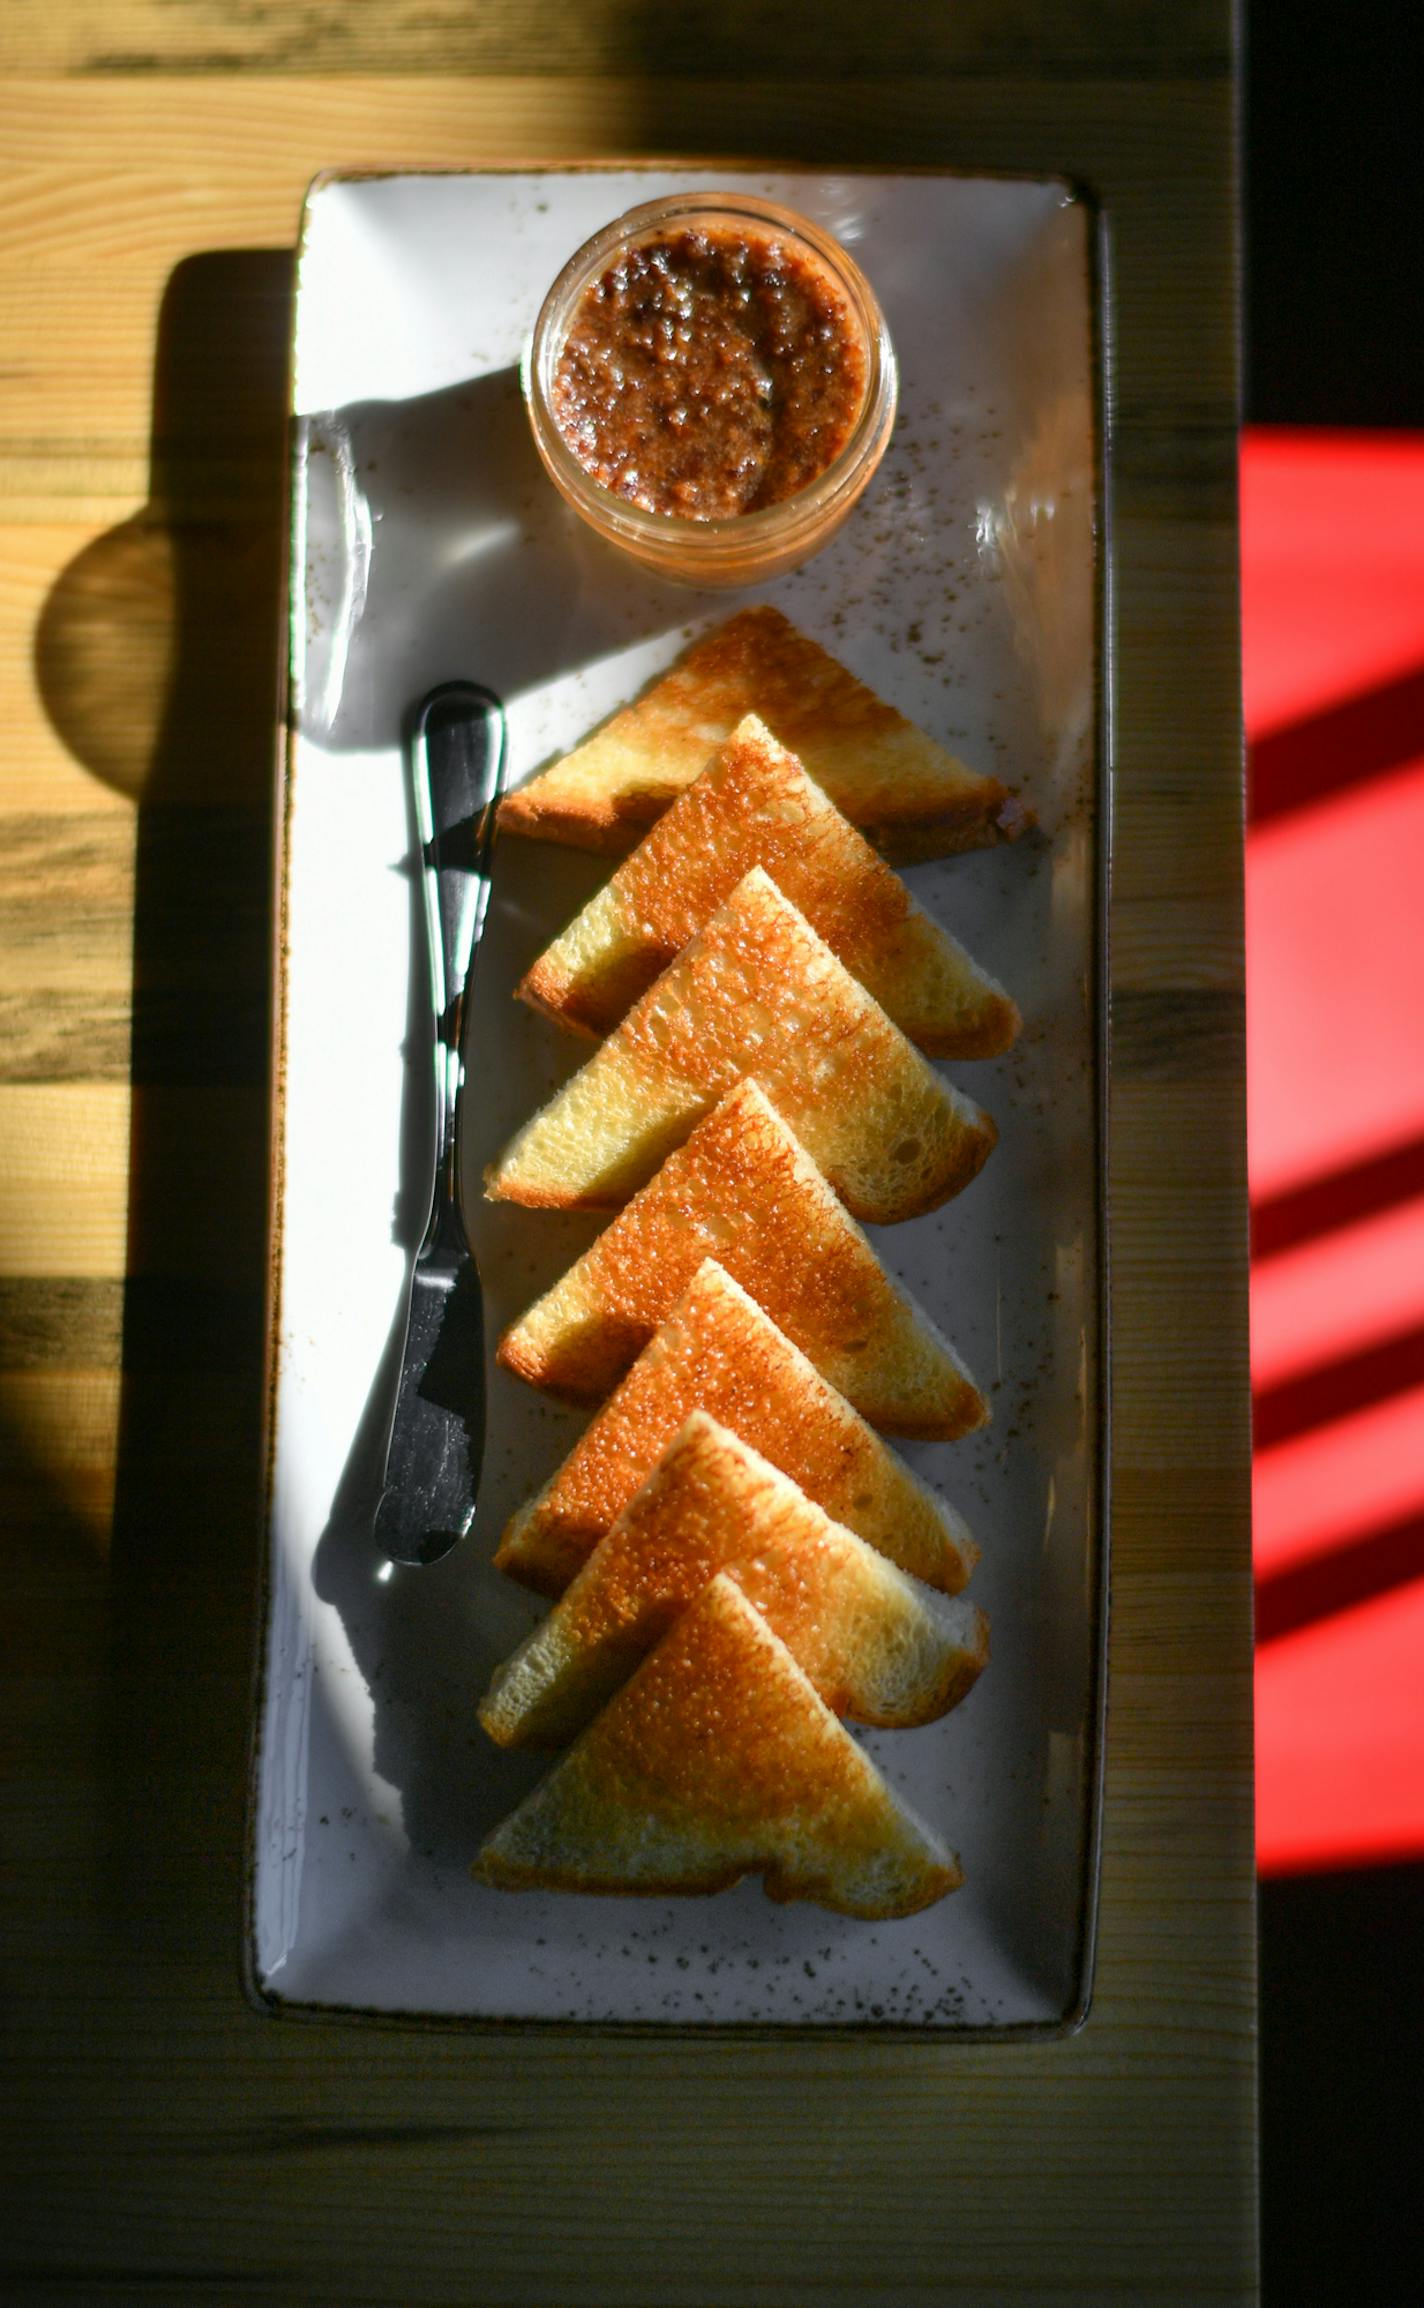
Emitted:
pixel 162 2140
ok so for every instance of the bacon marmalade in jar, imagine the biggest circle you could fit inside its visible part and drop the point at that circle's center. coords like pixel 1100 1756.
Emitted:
pixel 711 386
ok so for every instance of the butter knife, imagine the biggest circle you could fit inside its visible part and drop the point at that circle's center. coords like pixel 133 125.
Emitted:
pixel 455 758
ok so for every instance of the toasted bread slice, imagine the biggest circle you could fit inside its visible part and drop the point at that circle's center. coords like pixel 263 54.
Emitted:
pixel 877 1645
pixel 717 1760
pixel 744 1192
pixel 905 792
pixel 754 993
pixel 753 804
pixel 718 1351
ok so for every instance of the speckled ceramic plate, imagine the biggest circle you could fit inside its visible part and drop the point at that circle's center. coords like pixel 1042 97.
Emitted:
pixel 968 587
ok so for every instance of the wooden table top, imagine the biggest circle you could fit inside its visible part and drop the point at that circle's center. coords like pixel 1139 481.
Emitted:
pixel 159 2134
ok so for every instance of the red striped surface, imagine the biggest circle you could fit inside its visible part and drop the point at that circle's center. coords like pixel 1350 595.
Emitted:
pixel 1333 613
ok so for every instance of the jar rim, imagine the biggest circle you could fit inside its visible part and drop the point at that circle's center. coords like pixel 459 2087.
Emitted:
pixel 738 534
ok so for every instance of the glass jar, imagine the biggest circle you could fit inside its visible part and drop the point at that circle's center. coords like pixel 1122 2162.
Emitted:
pixel 741 548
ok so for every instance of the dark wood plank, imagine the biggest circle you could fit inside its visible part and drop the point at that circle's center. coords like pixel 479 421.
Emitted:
pixel 699 38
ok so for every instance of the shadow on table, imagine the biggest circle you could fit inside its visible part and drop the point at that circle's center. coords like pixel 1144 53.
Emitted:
pixel 1342 2021
pixel 157 658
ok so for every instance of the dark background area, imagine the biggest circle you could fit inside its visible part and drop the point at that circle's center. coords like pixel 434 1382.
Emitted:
pixel 1333 126
pixel 1333 123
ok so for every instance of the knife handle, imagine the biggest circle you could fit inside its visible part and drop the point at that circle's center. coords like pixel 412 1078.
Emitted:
pixel 455 748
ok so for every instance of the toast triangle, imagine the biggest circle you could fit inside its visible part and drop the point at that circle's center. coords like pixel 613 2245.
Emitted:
pixel 876 1644
pixel 753 804
pixel 718 1351
pixel 756 992
pixel 714 1761
pixel 743 1191
pixel 906 793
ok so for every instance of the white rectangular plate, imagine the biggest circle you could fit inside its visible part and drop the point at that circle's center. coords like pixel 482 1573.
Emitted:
pixel 427 545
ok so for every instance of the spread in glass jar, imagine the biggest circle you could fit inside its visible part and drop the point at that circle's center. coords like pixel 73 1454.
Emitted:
pixel 711 386
pixel 709 371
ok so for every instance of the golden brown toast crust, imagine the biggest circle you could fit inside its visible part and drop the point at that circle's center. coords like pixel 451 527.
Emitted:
pixel 755 992
pixel 741 1191
pixel 753 804
pixel 717 1760
pixel 876 1644
pixel 719 1352
pixel 905 792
